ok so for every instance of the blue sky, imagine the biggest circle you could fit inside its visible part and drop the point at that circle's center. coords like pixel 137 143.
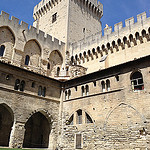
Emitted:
pixel 114 10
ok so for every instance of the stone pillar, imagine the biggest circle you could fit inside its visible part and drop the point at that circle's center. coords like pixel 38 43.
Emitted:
pixel 17 135
pixel 52 140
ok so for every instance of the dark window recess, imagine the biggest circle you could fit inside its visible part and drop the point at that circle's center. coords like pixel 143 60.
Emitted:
pixel 117 77
pixel 44 92
pixel 137 81
pixel 22 86
pixel 54 17
pixel 76 88
pixel 33 84
pixel 17 84
pixel 48 66
pixel 40 91
pixel 70 122
pixel 94 83
pixel 88 119
pixel 2 49
pixel 27 59
pixel 78 141
pixel 79 117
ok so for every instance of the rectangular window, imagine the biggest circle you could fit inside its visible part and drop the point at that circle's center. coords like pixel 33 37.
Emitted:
pixel 78 141
pixel 54 17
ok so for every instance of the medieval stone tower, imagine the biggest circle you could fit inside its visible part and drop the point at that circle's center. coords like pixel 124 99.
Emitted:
pixel 64 86
pixel 68 20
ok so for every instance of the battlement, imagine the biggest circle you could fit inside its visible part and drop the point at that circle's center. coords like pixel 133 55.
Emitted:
pixel 45 5
pixel 131 27
pixel 33 32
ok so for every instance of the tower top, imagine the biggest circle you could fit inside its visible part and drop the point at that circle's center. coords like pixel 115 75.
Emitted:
pixel 46 5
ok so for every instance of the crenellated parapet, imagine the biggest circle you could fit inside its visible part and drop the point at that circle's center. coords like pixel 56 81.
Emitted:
pixel 31 31
pixel 133 34
pixel 28 40
pixel 46 5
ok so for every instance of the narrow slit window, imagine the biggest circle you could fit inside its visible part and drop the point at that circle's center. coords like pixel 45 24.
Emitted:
pixel 54 17
pixel 78 141
pixel 22 86
pixel 17 84
pixel 79 117
pixel 2 49
pixel 27 59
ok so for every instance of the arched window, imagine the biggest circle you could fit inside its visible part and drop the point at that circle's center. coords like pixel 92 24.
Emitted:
pixel 69 94
pixel 113 44
pixel 27 59
pixel 70 121
pixel 33 84
pixel 137 35
pixel 131 37
pixel 119 42
pixel 108 45
pixel 79 116
pixel 66 95
pixel 82 90
pixel 137 81
pixel 125 40
pixel 44 92
pixel 103 86
pixel 108 85
pixel 2 49
pixel 58 71
pixel 143 33
pixel 88 118
pixel 22 85
pixel 87 90
pixel 48 66
pixel 40 91
pixel 17 84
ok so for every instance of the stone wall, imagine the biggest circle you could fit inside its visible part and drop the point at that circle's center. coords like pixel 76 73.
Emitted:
pixel 120 115
pixel 24 104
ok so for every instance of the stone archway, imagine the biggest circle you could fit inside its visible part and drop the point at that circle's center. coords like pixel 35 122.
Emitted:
pixel 37 130
pixel 6 123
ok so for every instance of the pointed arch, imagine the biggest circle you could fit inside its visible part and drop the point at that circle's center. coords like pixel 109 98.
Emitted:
pixel 37 131
pixel 6 123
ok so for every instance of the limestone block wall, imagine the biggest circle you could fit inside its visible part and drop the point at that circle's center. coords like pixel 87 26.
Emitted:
pixel 74 20
pixel 120 115
pixel 19 41
pixel 24 104
pixel 124 44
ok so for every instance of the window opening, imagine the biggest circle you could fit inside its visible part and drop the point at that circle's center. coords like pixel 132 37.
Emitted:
pixel 83 93
pixel 22 85
pixel 44 92
pixel 58 71
pixel 78 141
pixel 87 90
pixel 33 84
pixel 79 117
pixel 17 84
pixel 48 66
pixel 70 122
pixel 69 94
pixel 40 91
pixel 27 59
pixel 2 49
pixel 108 85
pixel 103 86
pixel 137 81
pixel 88 119
pixel 54 17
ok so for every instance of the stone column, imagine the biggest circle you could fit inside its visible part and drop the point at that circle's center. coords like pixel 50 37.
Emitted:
pixel 17 135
